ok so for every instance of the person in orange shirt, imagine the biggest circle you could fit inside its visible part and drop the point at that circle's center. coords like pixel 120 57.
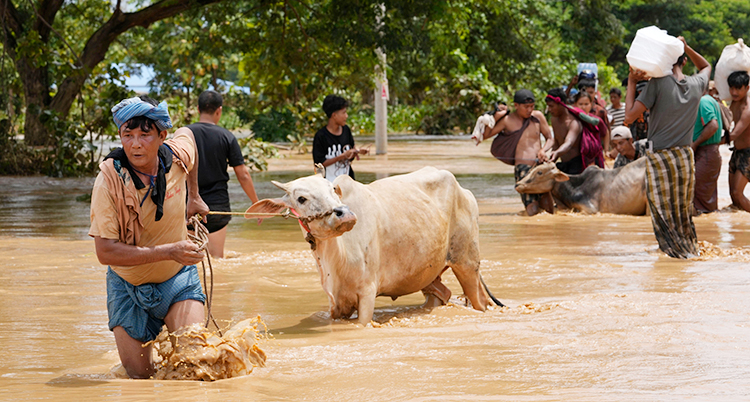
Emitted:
pixel 138 207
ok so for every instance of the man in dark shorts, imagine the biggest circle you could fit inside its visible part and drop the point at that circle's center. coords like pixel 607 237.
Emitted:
pixel 518 143
pixel 218 149
pixel 739 164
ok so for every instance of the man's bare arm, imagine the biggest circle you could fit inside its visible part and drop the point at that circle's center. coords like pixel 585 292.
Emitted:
pixel 545 130
pixel 499 126
pixel 574 132
pixel 708 131
pixel 741 125
pixel 348 155
pixel 703 66
pixel 246 181
pixel 113 252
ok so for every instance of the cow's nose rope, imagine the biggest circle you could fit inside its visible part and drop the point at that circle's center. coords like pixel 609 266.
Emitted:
pixel 200 238
pixel 304 222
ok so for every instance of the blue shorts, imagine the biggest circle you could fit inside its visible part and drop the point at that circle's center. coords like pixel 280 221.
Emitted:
pixel 140 310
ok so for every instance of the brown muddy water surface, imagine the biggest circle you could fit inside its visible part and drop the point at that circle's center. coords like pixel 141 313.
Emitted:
pixel 595 312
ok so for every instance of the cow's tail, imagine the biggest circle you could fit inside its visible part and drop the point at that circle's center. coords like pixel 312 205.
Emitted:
pixel 498 302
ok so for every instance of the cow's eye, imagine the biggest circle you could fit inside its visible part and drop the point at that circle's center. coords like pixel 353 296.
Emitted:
pixel 301 200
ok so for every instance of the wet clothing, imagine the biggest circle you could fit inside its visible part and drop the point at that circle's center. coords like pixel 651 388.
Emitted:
pixel 640 150
pixel 708 110
pixel 122 212
pixel 573 166
pixel 670 170
pixel 140 310
pixel 740 161
pixel 707 169
pixel 707 156
pixel 217 150
pixel 520 171
pixel 670 186
pixel 327 146
pixel 673 107
pixel 505 143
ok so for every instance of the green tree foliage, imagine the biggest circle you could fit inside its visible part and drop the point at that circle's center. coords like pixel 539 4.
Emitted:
pixel 63 63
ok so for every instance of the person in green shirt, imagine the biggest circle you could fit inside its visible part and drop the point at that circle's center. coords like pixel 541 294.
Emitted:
pixel 706 139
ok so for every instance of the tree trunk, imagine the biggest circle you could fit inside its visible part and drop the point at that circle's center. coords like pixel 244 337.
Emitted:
pixel 36 88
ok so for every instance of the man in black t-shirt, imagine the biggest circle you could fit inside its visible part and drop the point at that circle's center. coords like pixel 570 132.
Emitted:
pixel 333 146
pixel 217 149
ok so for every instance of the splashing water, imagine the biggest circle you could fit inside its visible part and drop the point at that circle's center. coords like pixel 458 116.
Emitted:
pixel 196 353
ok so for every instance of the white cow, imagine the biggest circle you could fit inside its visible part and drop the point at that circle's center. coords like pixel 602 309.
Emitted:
pixel 392 237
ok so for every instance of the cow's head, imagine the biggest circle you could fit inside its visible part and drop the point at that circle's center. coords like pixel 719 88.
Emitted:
pixel 541 179
pixel 316 202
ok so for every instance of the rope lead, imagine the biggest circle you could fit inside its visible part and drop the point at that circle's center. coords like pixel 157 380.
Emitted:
pixel 200 238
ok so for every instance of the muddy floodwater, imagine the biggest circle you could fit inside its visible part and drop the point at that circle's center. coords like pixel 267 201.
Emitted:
pixel 595 312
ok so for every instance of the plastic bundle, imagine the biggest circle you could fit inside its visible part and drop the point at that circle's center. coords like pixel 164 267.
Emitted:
pixel 735 57
pixel 654 51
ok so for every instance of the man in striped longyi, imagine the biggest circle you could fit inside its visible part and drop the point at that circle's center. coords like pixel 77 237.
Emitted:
pixel 670 172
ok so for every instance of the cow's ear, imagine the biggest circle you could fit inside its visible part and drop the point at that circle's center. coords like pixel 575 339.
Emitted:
pixel 560 176
pixel 282 186
pixel 319 169
pixel 266 208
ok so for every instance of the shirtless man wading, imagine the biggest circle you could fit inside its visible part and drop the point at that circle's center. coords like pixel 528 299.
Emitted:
pixel 567 131
pixel 739 164
pixel 519 144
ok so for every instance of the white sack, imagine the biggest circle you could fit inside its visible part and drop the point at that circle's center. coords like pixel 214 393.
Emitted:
pixel 654 51
pixel 735 57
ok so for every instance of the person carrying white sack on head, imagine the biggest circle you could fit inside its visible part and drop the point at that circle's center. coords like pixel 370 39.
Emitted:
pixel 486 122
pixel 673 101
pixel 732 82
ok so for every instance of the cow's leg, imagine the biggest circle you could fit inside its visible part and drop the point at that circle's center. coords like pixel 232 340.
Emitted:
pixel 436 294
pixel 468 277
pixel 366 306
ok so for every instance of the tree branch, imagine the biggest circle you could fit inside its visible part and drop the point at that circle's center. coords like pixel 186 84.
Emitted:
pixel 98 44
pixel 299 22
pixel 46 17
pixel 11 19
pixel 45 36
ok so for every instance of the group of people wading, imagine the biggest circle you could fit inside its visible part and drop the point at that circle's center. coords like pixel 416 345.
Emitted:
pixel 684 129
pixel 147 187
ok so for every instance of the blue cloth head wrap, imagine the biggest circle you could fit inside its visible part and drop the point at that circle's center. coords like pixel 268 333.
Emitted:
pixel 133 107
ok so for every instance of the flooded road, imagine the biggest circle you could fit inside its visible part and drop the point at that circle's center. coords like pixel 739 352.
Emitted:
pixel 595 311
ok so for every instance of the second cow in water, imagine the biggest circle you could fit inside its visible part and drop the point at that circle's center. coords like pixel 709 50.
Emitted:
pixel 615 191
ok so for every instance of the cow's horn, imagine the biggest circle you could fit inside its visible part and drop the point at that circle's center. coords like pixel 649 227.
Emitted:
pixel 319 169
pixel 282 186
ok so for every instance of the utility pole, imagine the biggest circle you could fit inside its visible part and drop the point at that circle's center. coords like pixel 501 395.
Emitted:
pixel 381 93
pixel 381 106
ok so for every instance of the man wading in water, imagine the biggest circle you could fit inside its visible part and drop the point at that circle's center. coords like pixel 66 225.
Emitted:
pixel 518 143
pixel 567 131
pixel 138 225
pixel 670 171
